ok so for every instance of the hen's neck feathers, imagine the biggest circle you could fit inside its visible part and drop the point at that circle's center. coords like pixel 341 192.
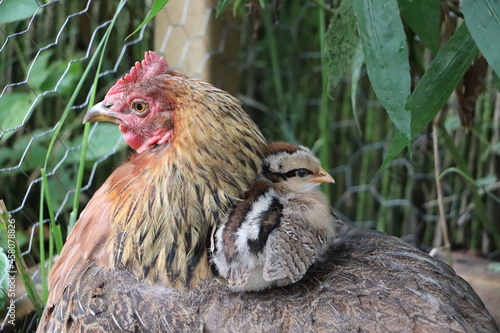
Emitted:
pixel 175 193
pixel 158 207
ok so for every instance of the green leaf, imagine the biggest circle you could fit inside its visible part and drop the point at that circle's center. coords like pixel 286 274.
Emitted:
pixel 436 85
pixel 452 123
pixel 155 8
pixel 483 20
pixel 341 40
pixel 40 70
pixel 386 56
pixel 424 18
pixel 221 5
pixel 486 181
pixel 68 83
pixel 4 278
pixel 237 4
pixel 16 10
pixel 13 110
pixel 399 142
pixel 441 78
pixel 103 140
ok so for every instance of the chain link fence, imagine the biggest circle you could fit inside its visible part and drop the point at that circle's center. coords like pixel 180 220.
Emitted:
pixel 44 54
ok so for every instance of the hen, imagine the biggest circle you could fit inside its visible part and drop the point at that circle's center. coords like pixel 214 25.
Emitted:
pixel 282 227
pixel 136 260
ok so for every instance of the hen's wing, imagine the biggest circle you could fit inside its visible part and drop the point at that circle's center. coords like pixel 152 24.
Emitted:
pixel 291 249
pixel 115 301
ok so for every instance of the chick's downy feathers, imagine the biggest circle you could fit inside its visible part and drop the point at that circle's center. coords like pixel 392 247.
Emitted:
pixel 282 228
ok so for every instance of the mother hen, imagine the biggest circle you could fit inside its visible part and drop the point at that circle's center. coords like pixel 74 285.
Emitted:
pixel 136 261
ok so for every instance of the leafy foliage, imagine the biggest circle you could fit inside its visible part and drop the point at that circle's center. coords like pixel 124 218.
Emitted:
pixel 15 10
pixel 341 40
pixel 424 18
pixel 155 9
pixel 483 18
pixel 384 43
pixel 436 85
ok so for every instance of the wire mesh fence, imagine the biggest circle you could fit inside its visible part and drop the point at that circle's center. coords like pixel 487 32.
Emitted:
pixel 276 75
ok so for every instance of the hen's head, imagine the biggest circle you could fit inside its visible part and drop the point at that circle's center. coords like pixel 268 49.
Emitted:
pixel 139 105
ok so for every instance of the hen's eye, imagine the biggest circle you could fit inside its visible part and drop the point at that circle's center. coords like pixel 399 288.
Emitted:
pixel 302 173
pixel 140 107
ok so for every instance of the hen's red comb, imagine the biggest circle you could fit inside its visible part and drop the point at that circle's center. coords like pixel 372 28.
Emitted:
pixel 152 65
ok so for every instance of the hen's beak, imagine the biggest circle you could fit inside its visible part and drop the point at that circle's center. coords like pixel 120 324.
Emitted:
pixel 323 177
pixel 100 112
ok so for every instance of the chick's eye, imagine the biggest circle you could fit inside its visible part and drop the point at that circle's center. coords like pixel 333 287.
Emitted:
pixel 302 173
pixel 140 107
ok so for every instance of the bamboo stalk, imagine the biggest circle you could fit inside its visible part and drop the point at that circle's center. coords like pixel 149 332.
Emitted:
pixel 439 190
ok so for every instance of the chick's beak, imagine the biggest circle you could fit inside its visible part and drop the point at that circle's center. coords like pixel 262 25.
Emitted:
pixel 323 177
pixel 101 112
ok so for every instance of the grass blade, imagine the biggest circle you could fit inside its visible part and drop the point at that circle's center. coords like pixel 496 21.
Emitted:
pixel 22 268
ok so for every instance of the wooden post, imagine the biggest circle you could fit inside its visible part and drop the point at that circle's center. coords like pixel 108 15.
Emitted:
pixel 197 44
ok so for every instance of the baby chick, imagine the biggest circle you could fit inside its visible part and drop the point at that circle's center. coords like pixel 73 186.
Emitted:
pixel 275 235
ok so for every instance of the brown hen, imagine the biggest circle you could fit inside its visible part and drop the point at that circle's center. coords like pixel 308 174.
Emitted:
pixel 136 261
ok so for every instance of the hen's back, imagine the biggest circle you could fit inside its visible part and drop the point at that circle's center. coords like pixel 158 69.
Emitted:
pixel 369 282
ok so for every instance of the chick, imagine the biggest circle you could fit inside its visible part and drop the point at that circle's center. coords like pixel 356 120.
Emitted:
pixel 281 228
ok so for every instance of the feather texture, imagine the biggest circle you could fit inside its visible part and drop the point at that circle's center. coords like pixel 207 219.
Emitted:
pixel 152 216
pixel 136 260
pixel 275 235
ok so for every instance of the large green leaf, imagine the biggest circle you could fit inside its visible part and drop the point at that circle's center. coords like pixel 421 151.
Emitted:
pixel 341 40
pixel 16 10
pixel 41 69
pixel 386 56
pixel 103 140
pixel 439 81
pixel 483 21
pixel 13 110
pixel 423 17
pixel 155 9
pixel 436 86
